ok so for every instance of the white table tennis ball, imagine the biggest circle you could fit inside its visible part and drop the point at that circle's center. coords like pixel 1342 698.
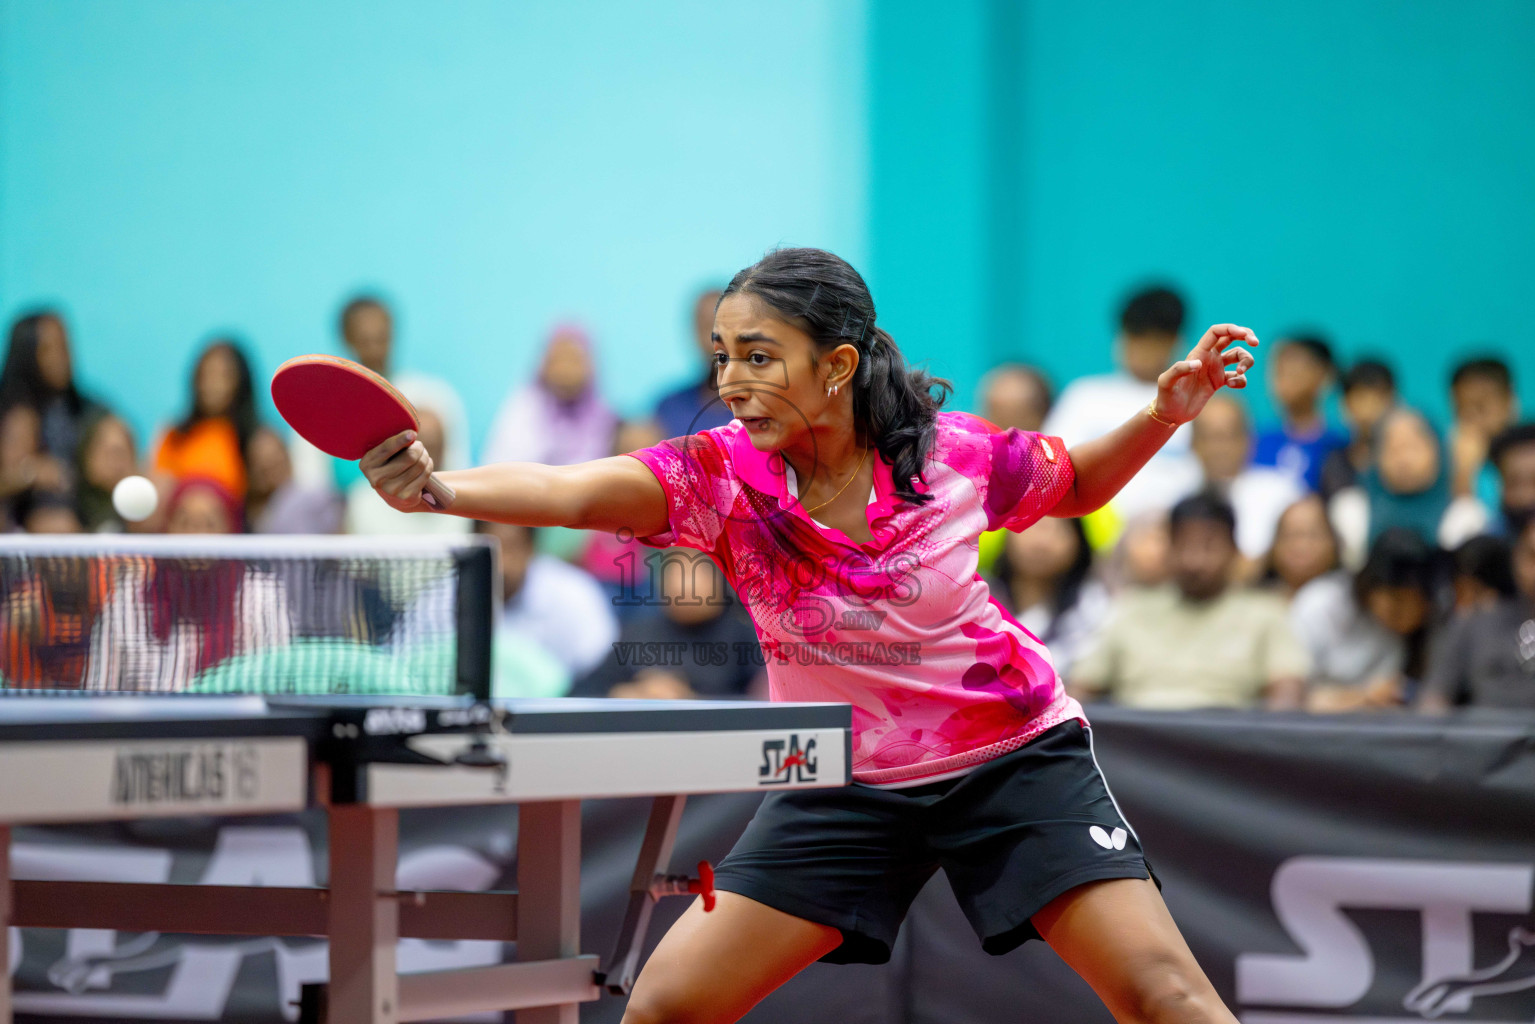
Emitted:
pixel 135 498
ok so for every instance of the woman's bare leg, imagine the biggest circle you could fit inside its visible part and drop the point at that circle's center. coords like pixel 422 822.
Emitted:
pixel 712 968
pixel 1120 938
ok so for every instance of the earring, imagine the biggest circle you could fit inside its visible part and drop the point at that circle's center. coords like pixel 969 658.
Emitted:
pixel 832 390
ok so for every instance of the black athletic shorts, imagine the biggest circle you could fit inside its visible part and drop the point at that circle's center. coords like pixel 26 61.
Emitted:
pixel 1012 835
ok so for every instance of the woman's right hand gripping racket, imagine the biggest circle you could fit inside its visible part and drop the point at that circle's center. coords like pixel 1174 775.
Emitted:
pixel 346 410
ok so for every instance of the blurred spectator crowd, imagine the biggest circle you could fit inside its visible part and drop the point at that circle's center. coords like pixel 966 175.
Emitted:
pixel 1379 562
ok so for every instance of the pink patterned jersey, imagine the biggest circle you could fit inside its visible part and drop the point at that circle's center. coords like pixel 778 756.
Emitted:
pixel 941 678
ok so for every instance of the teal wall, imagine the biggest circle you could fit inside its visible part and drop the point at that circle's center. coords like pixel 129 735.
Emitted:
pixel 928 196
pixel 170 168
pixel 1003 173
pixel 1365 167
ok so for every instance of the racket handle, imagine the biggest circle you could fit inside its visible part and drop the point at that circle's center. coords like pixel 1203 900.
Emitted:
pixel 438 494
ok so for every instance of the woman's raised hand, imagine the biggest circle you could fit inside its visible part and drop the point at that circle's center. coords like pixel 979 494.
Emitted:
pixel 398 470
pixel 1214 363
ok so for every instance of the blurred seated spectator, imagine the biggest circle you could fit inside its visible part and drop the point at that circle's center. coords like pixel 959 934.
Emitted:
pixel 1487 658
pixel 1223 444
pixel 39 373
pixel 1512 453
pixel 1368 634
pixel 48 611
pixel 616 560
pixel 1483 574
pixel 107 455
pixel 1300 375
pixel 1482 396
pixel 274 501
pixel 1015 395
pixel 1369 392
pixel 698 644
pixel 560 418
pixel 367 514
pixel 1407 486
pixel 203 505
pixel 41 511
pixel 1150 327
pixel 209 442
pixel 366 327
pixel 524 662
pixel 367 331
pixel 550 603
pixel 1201 642
pixel 696 405
pixel 23 463
pixel 1044 578
pixel 1012 396
pixel 1140 558
pixel 1305 547
pixel 187 615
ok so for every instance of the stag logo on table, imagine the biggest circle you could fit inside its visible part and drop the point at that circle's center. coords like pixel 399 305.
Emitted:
pixel 1336 968
pixel 785 761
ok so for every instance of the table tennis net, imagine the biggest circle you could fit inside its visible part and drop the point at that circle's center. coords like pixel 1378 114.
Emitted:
pixel 306 615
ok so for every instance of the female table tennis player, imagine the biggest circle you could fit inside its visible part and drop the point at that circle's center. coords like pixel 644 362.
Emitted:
pixel 840 488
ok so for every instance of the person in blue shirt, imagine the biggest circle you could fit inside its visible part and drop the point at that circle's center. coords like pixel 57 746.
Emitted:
pixel 1303 370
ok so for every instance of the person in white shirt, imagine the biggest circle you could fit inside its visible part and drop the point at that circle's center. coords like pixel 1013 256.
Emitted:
pixel 367 514
pixel 1149 331
pixel 367 333
pixel 1223 446
pixel 550 604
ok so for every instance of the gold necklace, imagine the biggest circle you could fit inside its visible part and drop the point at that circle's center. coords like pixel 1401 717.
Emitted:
pixel 834 497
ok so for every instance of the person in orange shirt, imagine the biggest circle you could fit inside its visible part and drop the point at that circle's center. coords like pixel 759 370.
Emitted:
pixel 46 618
pixel 210 441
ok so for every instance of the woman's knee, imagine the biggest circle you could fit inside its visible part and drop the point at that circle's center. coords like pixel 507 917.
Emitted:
pixel 654 1008
pixel 663 996
pixel 1173 990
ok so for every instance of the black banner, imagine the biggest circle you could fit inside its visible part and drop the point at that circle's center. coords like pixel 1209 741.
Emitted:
pixel 1324 870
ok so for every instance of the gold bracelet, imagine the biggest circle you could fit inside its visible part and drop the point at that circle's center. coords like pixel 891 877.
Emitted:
pixel 1151 410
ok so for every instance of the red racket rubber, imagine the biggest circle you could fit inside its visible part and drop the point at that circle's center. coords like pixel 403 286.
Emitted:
pixel 346 410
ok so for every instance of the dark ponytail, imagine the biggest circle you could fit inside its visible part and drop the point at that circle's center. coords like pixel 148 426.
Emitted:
pixel 893 404
pixel 21 382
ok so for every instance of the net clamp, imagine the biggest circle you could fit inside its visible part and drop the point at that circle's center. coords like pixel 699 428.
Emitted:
pixel 480 754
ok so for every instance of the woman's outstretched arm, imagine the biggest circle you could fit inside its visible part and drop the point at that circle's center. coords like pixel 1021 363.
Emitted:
pixel 605 494
pixel 1104 465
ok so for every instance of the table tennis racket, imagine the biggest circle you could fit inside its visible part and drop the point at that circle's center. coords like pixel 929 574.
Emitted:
pixel 346 410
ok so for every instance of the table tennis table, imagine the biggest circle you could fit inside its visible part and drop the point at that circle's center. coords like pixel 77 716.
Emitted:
pixel 92 759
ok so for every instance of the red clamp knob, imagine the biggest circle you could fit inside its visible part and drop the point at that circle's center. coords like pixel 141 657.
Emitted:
pixel 703 885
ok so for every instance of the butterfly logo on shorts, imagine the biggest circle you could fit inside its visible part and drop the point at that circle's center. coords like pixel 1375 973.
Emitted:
pixel 1103 838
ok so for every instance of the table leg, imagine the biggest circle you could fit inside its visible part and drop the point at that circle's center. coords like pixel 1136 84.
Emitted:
pixel 549 893
pixel 655 857
pixel 5 924
pixel 364 915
